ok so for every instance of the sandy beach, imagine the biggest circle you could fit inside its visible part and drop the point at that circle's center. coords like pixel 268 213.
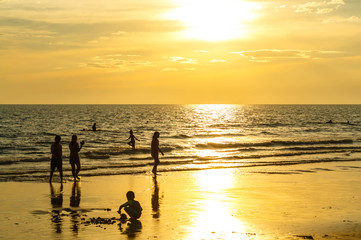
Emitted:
pixel 321 201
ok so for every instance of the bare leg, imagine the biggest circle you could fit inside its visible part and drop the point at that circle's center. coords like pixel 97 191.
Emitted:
pixel 73 171
pixel 61 175
pixel 77 169
pixel 51 175
pixel 156 162
pixel 131 212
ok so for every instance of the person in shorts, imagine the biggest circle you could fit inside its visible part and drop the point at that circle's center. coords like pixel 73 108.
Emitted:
pixel 56 161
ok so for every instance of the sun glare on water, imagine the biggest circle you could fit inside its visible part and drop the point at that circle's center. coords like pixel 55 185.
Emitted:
pixel 214 20
pixel 216 219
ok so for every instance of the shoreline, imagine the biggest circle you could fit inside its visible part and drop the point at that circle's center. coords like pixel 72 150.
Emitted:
pixel 208 204
pixel 270 167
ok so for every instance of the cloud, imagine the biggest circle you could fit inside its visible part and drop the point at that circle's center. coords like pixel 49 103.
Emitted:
pixel 319 7
pixel 352 19
pixel 117 62
pixel 190 69
pixel 74 35
pixel 169 70
pixel 69 11
pixel 118 33
pixel 267 55
pixel 27 33
pixel 218 60
pixel 182 60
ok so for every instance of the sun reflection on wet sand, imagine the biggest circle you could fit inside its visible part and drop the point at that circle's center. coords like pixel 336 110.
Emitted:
pixel 216 218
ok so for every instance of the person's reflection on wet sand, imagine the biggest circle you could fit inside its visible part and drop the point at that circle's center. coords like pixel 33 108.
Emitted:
pixel 74 203
pixel 56 200
pixel 155 198
pixel 133 227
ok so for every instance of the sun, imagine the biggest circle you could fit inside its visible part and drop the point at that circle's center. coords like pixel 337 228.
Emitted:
pixel 214 20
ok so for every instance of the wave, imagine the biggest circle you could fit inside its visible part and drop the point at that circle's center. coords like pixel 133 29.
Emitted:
pixel 7 148
pixel 274 125
pixel 142 154
pixel 273 143
pixel 180 136
pixel 105 153
pixel 211 135
pixel 48 134
pixel 268 133
pixel 25 160
pixel 226 125
pixel 133 166
pixel 144 168
pixel 320 148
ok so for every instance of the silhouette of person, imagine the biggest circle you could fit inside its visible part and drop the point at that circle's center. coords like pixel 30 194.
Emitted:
pixel 74 156
pixel 56 200
pixel 75 195
pixel 94 127
pixel 155 151
pixel 56 158
pixel 132 228
pixel 155 199
pixel 75 202
pixel 131 207
pixel 329 121
pixel 132 139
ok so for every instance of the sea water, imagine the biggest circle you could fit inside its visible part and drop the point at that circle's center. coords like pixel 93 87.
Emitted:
pixel 192 137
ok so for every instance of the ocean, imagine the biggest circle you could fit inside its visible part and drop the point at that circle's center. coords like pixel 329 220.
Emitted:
pixel 192 137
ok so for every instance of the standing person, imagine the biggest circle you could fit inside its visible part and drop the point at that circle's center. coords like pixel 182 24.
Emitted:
pixel 56 158
pixel 74 156
pixel 132 139
pixel 155 151
pixel 94 127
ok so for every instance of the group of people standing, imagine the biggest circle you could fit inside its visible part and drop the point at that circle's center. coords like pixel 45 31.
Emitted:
pixel 74 160
pixel 57 157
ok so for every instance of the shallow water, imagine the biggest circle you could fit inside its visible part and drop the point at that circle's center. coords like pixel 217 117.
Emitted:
pixel 191 136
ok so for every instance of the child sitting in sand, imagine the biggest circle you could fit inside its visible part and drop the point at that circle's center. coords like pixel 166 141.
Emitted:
pixel 132 207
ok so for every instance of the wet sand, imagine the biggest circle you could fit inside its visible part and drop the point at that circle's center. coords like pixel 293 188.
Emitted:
pixel 315 202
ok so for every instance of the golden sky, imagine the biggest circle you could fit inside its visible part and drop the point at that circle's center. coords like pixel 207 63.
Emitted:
pixel 180 51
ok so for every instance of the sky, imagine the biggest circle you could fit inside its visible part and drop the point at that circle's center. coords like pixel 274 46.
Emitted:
pixel 180 52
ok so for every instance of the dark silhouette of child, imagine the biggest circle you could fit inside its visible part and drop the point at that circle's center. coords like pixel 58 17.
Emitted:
pixel 131 207
pixel 132 139
pixel 56 158
pixel 155 151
